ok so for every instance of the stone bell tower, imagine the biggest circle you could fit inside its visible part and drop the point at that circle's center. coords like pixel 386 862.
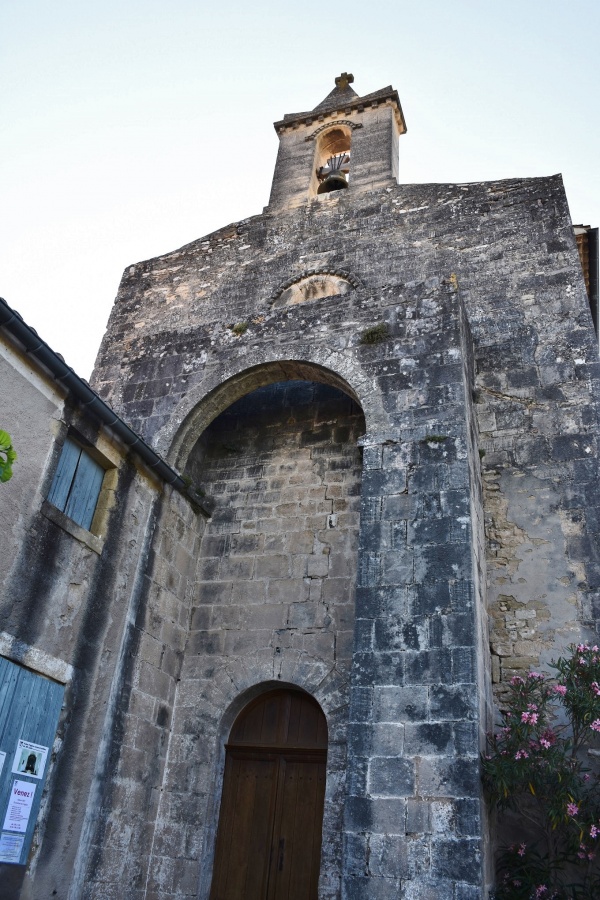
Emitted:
pixel 354 382
pixel 359 134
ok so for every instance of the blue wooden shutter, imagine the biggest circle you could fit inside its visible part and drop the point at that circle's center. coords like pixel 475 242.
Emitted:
pixel 85 490
pixel 76 485
pixel 65 472
pixel 29 709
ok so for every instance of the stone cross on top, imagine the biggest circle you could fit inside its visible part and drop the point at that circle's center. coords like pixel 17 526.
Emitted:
pixel 343 80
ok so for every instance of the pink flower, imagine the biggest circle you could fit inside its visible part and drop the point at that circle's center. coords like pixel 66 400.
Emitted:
pixel 572 809
pixel 586 777
pixel 581 648
pixel 536 675
pixel 540 891
pixel 593 831
pixel 545 744
pixel 581 661
pixel 521 754
pixel 560 689
pixel 521 850
pixel 595 726
pixel 516 679
pixel 596 688
pixel 529 718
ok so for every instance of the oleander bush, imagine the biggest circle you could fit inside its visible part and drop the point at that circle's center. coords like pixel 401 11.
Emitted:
pixel 541 775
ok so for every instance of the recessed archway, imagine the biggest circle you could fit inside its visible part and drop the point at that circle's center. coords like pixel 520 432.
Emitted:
pixel 274 596
pixel 227 392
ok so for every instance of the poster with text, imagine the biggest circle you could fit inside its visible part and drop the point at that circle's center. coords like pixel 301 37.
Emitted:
pixel 11 846
pixel 20 802
pixel 30 759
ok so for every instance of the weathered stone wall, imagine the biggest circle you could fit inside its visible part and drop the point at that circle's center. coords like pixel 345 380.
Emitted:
pixel 414 256
pixel 414 818
pixel 119 833
pixel 437 645
pixel 511 247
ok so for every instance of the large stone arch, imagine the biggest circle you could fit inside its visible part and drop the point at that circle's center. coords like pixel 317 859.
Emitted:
pixel 220 389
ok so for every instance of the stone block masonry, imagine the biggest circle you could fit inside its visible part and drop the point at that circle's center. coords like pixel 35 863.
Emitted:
pixel 454 318
pixel 418 698
pixel 122 840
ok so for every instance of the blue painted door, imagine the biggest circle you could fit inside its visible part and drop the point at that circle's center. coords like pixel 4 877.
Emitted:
pixel 30 705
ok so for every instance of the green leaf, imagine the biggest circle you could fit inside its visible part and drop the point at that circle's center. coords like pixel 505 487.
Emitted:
pixel 7 456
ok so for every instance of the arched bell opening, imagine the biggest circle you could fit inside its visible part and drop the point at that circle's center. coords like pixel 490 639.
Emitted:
pixel 332 160
pixel 270 821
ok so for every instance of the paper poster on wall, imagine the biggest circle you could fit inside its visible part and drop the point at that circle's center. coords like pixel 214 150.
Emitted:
pixel 11 846
pixel 19 806
pixel 30 759
pixel 2 758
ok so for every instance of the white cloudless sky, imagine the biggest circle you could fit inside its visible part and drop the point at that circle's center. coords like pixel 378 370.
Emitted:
pixel 130 128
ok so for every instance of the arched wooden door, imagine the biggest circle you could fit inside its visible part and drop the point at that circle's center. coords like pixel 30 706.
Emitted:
pixel 269 835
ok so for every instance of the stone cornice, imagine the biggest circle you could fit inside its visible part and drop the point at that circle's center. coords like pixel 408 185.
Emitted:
pixel 384 97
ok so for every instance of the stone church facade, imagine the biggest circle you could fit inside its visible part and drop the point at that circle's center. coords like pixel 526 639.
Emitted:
pixel 383 402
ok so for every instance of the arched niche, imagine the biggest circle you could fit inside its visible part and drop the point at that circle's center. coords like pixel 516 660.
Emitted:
pixel 313 286
pixel 226 393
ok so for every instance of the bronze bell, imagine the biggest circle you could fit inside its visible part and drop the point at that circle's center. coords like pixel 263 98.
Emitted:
pixel 331 175
pixel 333 182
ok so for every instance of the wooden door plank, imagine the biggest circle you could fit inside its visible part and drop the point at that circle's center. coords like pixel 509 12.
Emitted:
pixel 65 472
pixel 294 871
pixel 245 829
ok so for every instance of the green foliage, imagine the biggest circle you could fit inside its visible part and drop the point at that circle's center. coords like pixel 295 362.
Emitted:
pixel 435 438
pixel 375 334
pixel 537 766
pixel 7 456
pixel 239 328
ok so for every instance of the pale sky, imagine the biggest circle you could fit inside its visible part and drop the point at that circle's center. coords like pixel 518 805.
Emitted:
pixel 130 128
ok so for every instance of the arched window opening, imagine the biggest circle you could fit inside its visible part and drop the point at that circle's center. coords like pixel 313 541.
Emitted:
pixel 333 160
pixel 269 835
